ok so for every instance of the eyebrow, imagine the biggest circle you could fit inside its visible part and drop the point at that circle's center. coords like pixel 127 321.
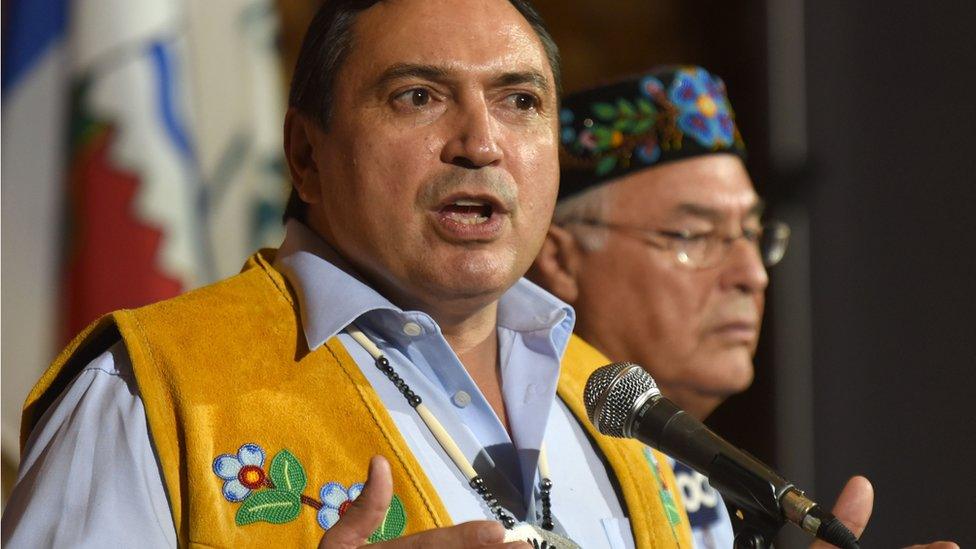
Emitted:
pixel 524 77
pixel 440 74
pixel 697 210
pixel 411 70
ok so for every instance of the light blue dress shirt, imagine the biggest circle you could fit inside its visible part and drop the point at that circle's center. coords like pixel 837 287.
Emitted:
pixel 90 476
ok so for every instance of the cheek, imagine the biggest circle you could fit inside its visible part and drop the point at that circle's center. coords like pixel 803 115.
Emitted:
pixel 672 305
pixel 538 181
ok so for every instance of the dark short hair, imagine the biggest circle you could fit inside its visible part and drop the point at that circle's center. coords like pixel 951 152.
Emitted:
pixel 325 47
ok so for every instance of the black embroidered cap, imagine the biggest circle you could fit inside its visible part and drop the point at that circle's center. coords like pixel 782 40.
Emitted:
pixel 667 113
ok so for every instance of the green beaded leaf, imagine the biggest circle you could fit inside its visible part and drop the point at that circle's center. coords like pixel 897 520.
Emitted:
pixel 606 165
pixel 393 525
pixel 670 507
pixel 287 473
pixel 274 506
pixel 626 108
pixel 603 137
pixel 643 125
pixel 604 111
pixel 625 125
pixel 645 106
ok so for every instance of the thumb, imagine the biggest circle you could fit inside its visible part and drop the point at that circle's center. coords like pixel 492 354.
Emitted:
pixel 854 504
pixel 366 513
pixel 853 507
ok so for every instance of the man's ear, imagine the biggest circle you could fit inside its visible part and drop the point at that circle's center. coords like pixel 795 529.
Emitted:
pixel 557 266
pixel 300 133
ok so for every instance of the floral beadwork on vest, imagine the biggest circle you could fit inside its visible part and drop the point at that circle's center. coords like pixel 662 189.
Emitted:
pixel 275 494
pixel 667 499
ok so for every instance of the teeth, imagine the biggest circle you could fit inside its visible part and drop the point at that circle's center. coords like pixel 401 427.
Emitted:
pixel 469 203
pixel 467 219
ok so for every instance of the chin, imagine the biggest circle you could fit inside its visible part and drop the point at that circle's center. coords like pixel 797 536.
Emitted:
pixel 720 374
pixel 735 375
pixel 475 274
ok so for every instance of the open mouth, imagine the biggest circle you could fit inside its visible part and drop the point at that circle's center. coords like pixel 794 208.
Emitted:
pixel 468 211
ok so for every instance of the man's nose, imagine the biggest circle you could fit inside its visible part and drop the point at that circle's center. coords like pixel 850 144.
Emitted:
pixel 744 269
pixel 474 139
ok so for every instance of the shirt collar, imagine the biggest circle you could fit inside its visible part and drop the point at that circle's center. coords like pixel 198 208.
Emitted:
pixel 331 295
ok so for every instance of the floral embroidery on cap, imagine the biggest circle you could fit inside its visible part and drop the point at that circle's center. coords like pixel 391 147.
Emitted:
pixel 669 113
pixel 705 114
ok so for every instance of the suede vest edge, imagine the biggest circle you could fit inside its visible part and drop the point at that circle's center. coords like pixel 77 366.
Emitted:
pixel 208 390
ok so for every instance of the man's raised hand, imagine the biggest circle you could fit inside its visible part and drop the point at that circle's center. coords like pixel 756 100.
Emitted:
pixel 853 508
pixel 367 512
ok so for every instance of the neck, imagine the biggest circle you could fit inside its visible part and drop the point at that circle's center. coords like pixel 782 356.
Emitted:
pixel 474 339
pixel 469 323
pixel 476 343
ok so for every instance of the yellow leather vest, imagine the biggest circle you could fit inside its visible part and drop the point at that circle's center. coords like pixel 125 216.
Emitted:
pixel 225 369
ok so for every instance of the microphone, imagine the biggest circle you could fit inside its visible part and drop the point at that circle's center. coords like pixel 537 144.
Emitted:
pixel 622 400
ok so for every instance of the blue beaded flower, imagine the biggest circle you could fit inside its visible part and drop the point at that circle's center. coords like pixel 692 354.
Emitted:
pixel 704 112
pixel 336 499
pixel 241 473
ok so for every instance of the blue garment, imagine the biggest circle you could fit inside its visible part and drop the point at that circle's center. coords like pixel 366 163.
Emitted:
pixel 100 417
pixel 711 526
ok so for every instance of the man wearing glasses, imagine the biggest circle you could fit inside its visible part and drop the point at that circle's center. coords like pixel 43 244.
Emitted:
pixel 658 243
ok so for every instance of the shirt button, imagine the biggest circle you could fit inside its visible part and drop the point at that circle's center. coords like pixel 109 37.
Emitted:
pixel 412 329
pixel 461 399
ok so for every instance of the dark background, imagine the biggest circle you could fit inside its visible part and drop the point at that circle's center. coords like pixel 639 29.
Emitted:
pixel 861 127
pixel 875 317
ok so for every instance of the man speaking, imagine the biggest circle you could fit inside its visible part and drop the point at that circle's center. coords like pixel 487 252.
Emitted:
pixel 393 320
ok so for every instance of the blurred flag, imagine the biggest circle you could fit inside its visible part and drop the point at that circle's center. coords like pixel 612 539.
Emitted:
pixel 170 181
pixel 133 181
pixel 34 102
pixel 142 158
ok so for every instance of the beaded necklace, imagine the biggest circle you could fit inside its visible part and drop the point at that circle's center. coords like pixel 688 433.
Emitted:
pixel 542 538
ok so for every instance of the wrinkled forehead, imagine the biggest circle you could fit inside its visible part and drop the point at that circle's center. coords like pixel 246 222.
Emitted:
pixel 468 38
pixel 711 186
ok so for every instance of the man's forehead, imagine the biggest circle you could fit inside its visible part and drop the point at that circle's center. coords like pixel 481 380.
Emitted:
pixel 706 186
pixel 481 38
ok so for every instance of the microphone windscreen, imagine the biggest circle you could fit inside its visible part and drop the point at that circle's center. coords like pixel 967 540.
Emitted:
pixel 611 394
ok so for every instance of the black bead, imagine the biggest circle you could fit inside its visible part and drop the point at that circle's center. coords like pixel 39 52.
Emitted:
pixel 476 481
pixel 508 522
pixel 546 484
pixel 415 400
pixel 548 525
pixel 382 362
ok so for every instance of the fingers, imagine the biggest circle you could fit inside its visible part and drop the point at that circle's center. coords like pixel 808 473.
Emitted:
pixel 366 513
pixel 854 504
pixel 481 534
pixel 936 545
pixel 853 507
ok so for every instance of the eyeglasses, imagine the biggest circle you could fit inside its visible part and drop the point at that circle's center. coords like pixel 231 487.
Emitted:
pixel 706 249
